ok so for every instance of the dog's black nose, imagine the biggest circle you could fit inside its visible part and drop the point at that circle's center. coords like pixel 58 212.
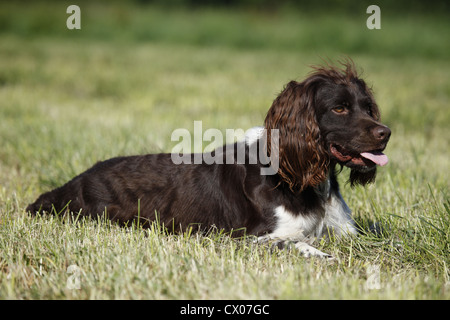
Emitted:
pixel 381 133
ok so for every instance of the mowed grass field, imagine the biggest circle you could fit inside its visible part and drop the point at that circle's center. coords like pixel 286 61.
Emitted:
pixel 133 74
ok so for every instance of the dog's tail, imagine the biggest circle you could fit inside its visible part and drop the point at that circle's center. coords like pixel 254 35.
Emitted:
pixel 49 202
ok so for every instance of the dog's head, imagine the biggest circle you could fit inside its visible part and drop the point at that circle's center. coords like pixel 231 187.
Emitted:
pixel 329 118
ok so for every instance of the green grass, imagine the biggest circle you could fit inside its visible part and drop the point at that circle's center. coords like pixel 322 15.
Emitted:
pixel 69 101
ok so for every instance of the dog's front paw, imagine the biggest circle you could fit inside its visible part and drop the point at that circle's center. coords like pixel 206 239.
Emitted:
pixel 308 251
pixel 305 249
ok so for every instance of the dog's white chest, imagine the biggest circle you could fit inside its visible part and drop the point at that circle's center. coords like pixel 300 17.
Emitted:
pixel 306 225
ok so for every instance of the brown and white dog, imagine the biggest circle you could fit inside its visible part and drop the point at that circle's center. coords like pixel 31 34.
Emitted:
pixel 329 119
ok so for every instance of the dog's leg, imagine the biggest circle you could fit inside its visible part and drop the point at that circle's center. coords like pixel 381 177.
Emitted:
pixel 308 251
pixel 304 248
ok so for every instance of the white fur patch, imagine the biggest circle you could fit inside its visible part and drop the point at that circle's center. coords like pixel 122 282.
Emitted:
pixel 294 227
pixel 253 134
pixel 300 228
pixel 338 216
pixel 307 251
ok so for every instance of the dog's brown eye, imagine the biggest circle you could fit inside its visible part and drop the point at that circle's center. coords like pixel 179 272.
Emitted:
pixel 339 109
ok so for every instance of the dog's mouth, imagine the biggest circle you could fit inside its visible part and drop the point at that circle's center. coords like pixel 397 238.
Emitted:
pixel 366 159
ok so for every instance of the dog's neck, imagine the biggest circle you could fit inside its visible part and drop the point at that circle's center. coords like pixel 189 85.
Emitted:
pixel 323 190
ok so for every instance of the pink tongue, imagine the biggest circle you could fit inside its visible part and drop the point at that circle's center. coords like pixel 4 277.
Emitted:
pixel 378 157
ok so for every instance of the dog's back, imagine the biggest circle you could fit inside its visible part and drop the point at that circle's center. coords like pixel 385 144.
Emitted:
pixel 153 187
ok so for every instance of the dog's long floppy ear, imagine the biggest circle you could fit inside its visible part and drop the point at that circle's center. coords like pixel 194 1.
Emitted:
pixel 303 160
